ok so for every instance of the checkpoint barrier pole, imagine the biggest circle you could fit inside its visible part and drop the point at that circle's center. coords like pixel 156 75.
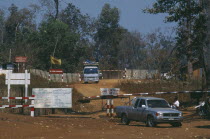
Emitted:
pixel 124 76
pixel 62 77
pixel 20 106
pixel 112 107
pixel 108 107
pixel 32 108
pixel 49 78
pixel 79 77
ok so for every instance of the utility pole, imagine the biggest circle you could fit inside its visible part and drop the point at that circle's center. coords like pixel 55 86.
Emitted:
pixel 10 53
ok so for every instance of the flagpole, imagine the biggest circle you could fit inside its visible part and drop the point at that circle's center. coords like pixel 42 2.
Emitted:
pixel 54 50
pixel 55 45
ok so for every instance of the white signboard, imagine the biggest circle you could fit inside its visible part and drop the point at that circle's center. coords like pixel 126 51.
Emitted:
pixel 110 91
pixel 52 97
pixel 17 79
pixel 18 76
pixel 18 82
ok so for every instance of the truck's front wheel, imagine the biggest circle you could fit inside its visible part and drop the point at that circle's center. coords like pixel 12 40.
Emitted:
pixel 150 121
pixel 124 119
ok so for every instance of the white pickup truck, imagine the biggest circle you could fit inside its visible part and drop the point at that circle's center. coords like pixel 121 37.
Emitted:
pixel 150 110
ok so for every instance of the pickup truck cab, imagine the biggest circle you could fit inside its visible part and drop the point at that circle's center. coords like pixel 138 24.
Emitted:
pixel 150 110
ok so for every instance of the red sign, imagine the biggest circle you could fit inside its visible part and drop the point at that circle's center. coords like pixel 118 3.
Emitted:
pixel 20 59
pixel 56 71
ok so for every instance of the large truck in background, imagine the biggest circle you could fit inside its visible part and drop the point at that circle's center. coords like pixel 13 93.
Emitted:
pixel 91 72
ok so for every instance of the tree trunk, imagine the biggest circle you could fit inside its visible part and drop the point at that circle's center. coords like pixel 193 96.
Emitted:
pixel 207 50
pixel 56 7
pixel 189 45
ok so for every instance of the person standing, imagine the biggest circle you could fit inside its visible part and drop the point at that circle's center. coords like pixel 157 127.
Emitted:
pixel 176 103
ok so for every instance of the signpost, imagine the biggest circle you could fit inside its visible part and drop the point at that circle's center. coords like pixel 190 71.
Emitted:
pixel 21 59
pixel 55 71
pixel 18 79
pixel 52 97
pixel 109 93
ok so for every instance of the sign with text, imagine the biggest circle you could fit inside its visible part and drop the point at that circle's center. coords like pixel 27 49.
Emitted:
pixel 17 79
pixel 20 59
pixel 18 76
pixel 110 91
pixel 52 97
pixel 56 71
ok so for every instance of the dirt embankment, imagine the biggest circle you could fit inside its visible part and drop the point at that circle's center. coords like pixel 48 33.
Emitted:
pixel 93 89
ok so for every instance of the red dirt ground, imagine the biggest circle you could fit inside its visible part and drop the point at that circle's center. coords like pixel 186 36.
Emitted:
pixel 96 126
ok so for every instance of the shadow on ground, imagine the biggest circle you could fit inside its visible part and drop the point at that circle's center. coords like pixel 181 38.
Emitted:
pixel 205 126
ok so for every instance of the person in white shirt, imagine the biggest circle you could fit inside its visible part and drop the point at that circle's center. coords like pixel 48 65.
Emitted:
pixel 176 103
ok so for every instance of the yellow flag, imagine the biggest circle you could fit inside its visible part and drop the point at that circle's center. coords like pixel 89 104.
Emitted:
pixel 55 60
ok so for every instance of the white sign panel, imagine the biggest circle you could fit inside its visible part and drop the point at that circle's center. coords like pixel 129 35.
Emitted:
pixel 18 82
pixel 18 76
pixel 17 79
pixel 109 91
pixel 52 97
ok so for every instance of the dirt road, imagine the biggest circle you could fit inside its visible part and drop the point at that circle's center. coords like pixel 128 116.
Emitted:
pixel 93 89
pixel 93 127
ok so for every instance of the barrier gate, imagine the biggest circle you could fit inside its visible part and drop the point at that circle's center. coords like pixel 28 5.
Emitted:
pixel 20 106
pixel 108 94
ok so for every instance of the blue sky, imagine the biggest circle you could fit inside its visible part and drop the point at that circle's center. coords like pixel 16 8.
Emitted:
pixel 131 15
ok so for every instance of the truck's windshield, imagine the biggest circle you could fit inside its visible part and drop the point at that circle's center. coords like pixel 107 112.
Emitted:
pixel 157 104
pixel 90 70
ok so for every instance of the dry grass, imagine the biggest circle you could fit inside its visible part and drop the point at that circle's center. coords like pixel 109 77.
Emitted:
pixel 151 86
pixel 139 86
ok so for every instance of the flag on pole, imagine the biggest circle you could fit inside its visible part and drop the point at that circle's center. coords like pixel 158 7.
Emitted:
pixel 55 60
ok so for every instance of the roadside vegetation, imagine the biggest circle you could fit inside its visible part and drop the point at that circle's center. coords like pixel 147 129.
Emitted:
pixel 148 86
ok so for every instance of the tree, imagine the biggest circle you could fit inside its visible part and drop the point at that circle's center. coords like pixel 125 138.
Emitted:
pixel 55 38
pixel 108 36
pixel 158 51
pixel 2 22
pixel 186 14
pixel 56 7
pixel 78 22
pixel 207 48
pixel 12 24
pixel 131 52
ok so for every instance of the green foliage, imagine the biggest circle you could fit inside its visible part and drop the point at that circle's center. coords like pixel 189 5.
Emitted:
pixel 177 10
pixel 191 25
pixel 108 37
pixel 74 37
pixel 55 36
